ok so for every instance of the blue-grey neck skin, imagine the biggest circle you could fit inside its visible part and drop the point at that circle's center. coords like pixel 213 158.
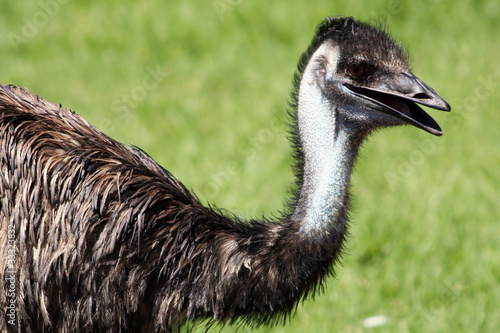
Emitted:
pixel 329 149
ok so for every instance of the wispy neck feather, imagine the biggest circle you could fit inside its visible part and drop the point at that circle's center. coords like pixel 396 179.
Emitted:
pixel 329 149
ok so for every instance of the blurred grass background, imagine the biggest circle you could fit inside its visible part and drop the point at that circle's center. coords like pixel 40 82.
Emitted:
pixel 202 86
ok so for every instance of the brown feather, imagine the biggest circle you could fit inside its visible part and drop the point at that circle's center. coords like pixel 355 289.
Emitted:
pixel 107 239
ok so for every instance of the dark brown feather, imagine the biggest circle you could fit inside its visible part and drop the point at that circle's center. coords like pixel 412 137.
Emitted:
pixel 107 239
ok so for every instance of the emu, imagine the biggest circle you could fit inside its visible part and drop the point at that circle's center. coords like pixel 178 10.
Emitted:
pixel 96 236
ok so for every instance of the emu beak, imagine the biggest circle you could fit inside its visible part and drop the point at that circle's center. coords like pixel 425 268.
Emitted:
pixel 398 94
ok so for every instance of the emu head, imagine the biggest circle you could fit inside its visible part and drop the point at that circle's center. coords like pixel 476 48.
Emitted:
pixel 366 77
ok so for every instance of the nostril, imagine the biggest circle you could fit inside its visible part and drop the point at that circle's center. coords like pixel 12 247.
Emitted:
pixel 422 96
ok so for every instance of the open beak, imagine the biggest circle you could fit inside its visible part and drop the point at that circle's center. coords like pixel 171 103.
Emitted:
pixel 397 95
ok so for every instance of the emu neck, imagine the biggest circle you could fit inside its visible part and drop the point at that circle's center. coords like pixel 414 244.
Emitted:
pixel 329 149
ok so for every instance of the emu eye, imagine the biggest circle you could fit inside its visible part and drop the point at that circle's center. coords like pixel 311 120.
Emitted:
pixel 357 70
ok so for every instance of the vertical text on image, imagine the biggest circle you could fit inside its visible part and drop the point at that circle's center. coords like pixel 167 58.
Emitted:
pixel 10 275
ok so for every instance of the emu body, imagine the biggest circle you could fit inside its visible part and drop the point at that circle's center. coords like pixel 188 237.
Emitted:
pixel 106 239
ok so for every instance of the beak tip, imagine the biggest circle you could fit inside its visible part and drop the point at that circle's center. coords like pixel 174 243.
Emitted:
pixel 437 131
pixel 446 106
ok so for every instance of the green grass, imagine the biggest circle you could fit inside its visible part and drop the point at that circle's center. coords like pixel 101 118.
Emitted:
pixel 425 229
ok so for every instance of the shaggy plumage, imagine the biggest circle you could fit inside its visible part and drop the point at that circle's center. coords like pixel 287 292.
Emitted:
pixel 109 239
pixel 99 237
